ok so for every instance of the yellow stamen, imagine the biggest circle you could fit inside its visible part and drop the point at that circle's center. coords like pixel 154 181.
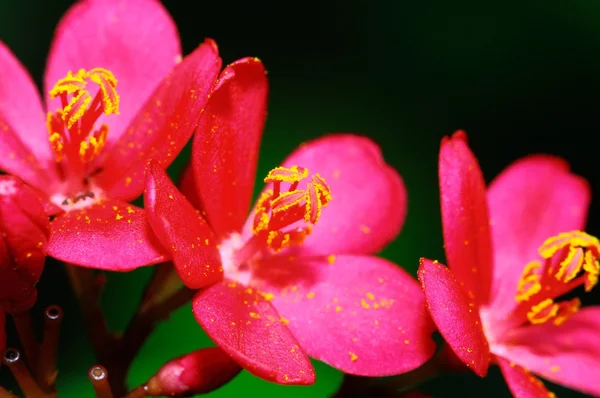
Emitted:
pixel 529 284
pixel 570 260
pixel 543 311
pixel 73 125
pixel 277 210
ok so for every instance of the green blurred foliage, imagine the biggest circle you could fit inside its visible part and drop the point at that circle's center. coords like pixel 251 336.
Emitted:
pixel 520 77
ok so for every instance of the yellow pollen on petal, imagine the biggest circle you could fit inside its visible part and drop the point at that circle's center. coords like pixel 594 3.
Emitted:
pixel 287 174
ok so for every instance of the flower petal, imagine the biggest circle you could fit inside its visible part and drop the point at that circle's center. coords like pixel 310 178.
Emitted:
pixel 164 124
pixel 24 141
pixel 360 314
pixel 111 235
pixel 521 383
pixel 135 39
pixel 567 354
pixel 533 199
pixel 187 186
pixel 456 316
pixel 465 217
pixel 24 229
pixel 246 326
pixel 226 144
pixel 182 230
pixel 368 205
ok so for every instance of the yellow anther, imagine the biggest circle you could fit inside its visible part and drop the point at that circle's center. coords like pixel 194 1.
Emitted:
pixel 573 238
pixel 76 108
pixel 286 200
pixel 57 145
pixel 107 83
pixel 287 174
pixel 69 84
pixel 529 284
pixel 543 311
pixel 571 265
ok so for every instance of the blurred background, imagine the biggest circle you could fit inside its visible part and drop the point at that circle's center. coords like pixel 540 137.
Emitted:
pixel 519 77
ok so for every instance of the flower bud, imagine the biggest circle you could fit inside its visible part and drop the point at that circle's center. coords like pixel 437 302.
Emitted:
pixel 198 372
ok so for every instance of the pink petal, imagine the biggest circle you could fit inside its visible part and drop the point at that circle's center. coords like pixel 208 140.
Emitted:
pixel 369 199
pixel 163 125
pixel 456 316
pixel 23 140
pixel 182 230
pixel 247 327
pixel 567 354
pixel 24 229
pixel 111 235
pixel 533 199
pixel 135 39
pixel 226 144
pixel 465 217
pixel 521 383
pixel 360 314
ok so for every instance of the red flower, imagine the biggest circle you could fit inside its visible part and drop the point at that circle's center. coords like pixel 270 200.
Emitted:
pixel 510 261
pixel 297 276
pixel 112 103
pixel 24 229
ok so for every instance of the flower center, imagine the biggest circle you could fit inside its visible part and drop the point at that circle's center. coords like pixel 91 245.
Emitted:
pixel 74 137
pixel 283 217
pixel 570 260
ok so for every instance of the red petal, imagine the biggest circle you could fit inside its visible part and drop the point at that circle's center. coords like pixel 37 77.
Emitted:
pixel 369 199
pixel 456 317
pixel 111 235
pixel 531 200
pixel 360 314
pixel 182 230
pixel 226 144
pixel 22 122
pixel 24 229
pixel 163 125
pixel 135 39
pixel 465 216
pixel 187 186
pixel 198 372
pixel 248 328
pixel 521 383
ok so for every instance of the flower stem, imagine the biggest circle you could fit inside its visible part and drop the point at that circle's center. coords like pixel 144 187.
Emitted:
pixel 163 294
pixel 87 290
pixel 12 359
pixel 27 336
pixel 4 393
pixel 138 392
pixel 99 378
pixel 46 369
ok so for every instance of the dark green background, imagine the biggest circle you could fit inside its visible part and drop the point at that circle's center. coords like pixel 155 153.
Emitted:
pixel 519 77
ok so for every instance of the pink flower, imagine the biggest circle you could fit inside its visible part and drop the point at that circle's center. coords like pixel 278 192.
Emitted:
pixel 513 252
pixel 112 102
pixel 24 230
pixel 297 277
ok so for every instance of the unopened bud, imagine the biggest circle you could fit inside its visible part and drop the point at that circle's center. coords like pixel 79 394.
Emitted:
pixel 198 372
